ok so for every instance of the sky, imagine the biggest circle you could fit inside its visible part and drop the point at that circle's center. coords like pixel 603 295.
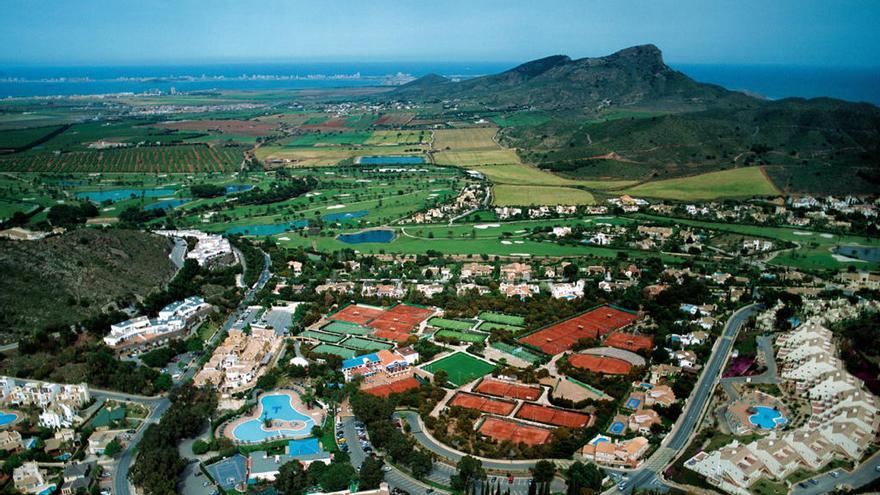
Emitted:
pixel 132 32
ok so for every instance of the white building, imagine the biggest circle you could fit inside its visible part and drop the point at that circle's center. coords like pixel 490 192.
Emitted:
pixel 173 319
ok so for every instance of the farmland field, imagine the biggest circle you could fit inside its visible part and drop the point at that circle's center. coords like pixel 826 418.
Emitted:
pixel 473 158
pixel 521 119
pixel 739 182
pixel 460 367
pixel 510 195
pixel 175 159
pixel 324 156
pixel 473 138
pixel 230 126
pixel 325 139
pixel 390 138
pixel 522 174
pixel 17 138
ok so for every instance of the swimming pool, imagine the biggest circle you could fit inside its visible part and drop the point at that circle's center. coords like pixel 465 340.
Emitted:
pixel 616 428
pixel 767 418
pixel 274 407
pixel 633 403
pixel 7 418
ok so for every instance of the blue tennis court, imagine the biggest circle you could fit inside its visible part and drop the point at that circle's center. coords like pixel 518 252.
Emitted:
pixel 633 403
pixel 305 446
pixel 616 428
pixel 229 472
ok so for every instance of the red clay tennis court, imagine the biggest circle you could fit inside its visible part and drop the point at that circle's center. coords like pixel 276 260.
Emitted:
pixel 400 321
pixel 553 416
pixel 600 364
pixel 629 342
pixel 500 388
pixel 502 430
pixel 482 404
pixel 593 324
pixel 355 313
pixel 394 387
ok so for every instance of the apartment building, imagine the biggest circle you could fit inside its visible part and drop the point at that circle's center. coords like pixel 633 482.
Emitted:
pixel 240 360
pixel 173 321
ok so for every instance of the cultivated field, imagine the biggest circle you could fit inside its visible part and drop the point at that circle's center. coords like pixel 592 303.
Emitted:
pixel 472 138
pixel 231 126
pixel 734 183
pixel 392 138
pixel 509 195
pixel 150 159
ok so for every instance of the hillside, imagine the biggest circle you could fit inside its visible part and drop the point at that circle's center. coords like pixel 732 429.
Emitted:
pixel 630 116
pixel 64 279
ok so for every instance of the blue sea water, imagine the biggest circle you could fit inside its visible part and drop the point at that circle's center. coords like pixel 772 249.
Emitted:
pixel 772 81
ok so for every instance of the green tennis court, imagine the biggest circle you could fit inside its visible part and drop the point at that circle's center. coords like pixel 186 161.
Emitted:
pixel 462 336
pixel 503 318
pixel 520 352
pixel 488 326
pixel 345 328
pixel 450 324
pixel 323 337
pixel 366 344
pixel 335 349
pixel 461 368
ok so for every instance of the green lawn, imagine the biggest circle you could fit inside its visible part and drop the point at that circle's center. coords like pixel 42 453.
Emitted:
pixel 461 368
pixel 502 318
pixel 450 324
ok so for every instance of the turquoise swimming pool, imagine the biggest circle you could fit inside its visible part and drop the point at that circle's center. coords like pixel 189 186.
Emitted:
pixel 273 407
pixel 7 418
pixel 767 418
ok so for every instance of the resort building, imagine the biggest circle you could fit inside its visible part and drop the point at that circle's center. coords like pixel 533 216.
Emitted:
pixel 10 440
pixel 845 417
pixel 58 402
pixel 210 249
pixel 626 453
pixel 390 363
pixel 173 321
pixel 240 360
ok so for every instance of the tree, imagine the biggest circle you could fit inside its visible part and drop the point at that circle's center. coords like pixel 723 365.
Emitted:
pixel 291 479
pixel 112 448
pixel 543 474
pixel 470 471
pixel 200 447
pixel 441 377
pixel 370 474
pixel 337 476
pixel 420 464
pixel 581 478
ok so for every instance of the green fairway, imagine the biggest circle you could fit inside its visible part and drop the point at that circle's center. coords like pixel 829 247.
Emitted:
pixel 502 318
pixel 461 368
pixel 462 336
pixel 450 324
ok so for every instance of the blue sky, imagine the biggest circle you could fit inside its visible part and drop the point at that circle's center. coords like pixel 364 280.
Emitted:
pixel 94 32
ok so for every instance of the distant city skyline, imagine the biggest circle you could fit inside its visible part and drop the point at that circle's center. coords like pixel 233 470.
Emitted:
pixel 165 32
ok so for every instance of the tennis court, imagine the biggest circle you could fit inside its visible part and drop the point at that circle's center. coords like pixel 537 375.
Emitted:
pixel 629 342
pixel 503 430
pixel 482 404
pixel 560 337
pixel 600 364
pixel 366 344
pixel 553 416
pixel 488 326
pixel 359 314
pixel 394 387
pixel 462 336
pixel 229 472
pixel 502 318
pixel 460 367
pixel 345 328
pixel 400 321
pixel 500 388
pixel 340 351
pixel 323 337
pixel 518 351
pixel 450 324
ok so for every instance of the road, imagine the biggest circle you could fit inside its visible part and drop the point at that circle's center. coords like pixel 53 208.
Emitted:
pixel 159 405
pixel 646 477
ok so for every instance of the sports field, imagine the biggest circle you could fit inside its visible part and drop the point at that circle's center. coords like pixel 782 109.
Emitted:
pixel 734 183
pixel 482 404
pixel 553 416
pixel 450 324
pixel 344 328
pixel 323 337
pixel 488 326
pixel 460 367
pixel 502 318
pixel 510 195
pixel 502 388
pixel 519 352
pixel 362 344
pixel 394 387
pixel 462 336
pixel 502 430
pixel 600 364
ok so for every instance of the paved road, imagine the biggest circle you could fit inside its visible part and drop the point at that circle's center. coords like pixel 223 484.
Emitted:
pixel 679 437
pixel 861 476
pixel 178 252
pixel 159 405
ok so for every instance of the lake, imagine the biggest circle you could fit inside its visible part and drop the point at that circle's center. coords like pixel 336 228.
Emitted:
pixel 122 194
pixel 380 236
pixel 871 254
pixel 341 217
pixel 234 188
pixel 391 160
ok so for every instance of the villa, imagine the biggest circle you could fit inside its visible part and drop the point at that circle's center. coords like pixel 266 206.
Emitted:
pixel 471 271
pixel 516 271
pixel 626 453
pixel 28 478
pixel 58 402
pixel 174 321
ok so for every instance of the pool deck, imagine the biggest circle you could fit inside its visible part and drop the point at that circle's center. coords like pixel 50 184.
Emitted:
pixel 739 412
pixel 316 413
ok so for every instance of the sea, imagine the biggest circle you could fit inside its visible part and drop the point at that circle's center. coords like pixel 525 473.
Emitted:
pixel 770 81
